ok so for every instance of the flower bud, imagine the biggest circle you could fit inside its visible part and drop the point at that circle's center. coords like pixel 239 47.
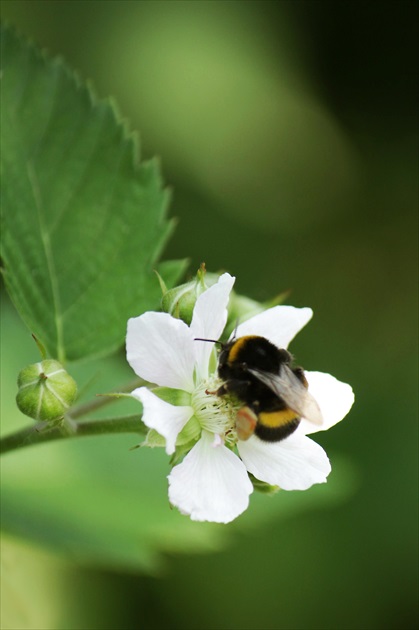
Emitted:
pixel 46 390
pixel 241 308
pixel 180 301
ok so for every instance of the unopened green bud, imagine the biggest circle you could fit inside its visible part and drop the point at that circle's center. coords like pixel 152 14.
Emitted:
pixel 46 390
pixel 241 308
pixel 180 301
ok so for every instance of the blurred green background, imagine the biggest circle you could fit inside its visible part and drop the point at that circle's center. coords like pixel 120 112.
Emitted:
pixel 288 132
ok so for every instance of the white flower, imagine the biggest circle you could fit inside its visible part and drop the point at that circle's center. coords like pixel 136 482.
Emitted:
pixel 212 482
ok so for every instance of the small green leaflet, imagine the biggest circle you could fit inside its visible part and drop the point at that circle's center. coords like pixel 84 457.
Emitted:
pixel 83 223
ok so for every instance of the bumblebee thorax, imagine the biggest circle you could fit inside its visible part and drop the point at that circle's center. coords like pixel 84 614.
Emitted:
pixel 256 352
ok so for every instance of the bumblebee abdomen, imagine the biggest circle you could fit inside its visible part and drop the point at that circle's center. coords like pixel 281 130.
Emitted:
pixel 273 426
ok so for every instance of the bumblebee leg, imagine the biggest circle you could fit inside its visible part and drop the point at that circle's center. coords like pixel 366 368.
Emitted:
pixel 234 386
pixel 222 391
pixel 246 421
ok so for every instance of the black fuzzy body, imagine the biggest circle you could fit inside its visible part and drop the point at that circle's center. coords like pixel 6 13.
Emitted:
pixel 259 354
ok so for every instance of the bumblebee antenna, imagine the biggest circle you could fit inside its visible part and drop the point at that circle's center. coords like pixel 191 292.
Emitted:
pixel 235 330
pixel 210 340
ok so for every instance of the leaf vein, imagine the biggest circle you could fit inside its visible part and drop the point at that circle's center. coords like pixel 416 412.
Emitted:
pixel 49 258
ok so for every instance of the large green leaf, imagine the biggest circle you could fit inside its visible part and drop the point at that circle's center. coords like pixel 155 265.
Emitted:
pixel 83 223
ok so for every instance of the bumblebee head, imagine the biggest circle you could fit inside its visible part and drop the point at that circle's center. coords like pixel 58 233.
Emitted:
pixel 224 348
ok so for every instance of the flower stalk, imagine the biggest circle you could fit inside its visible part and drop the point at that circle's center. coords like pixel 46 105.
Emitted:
pixel 41 433
pixel 68 426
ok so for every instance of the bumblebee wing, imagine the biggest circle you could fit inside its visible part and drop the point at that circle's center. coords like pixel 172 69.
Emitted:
pixel 288 387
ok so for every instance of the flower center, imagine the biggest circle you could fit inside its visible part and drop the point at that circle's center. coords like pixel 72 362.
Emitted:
pixel 214 413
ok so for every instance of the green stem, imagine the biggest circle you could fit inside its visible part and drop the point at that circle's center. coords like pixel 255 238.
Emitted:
pixel 68 426
pixel 41 433
pixel 102 399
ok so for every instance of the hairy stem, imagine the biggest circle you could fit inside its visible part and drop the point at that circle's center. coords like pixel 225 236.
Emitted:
pixel 43 432
pixel 69 426
pixel 101 400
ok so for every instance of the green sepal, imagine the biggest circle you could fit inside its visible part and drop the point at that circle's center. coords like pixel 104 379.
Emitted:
pixel 262 486
pixel 177 397
pixel 189 435
pixel 190 432
pixel 162 283
pixel 213 360
pixel 181 451
pixel 154 440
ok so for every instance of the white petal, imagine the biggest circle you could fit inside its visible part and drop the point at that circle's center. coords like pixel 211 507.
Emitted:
pixel 333 397
pixel 279 324
pixel 165 418
pixel 160 349
pixel 211 484
pixel 209 319
pixel 295 463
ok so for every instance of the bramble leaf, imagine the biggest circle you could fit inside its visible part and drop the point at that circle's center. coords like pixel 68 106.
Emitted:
pixel 83 222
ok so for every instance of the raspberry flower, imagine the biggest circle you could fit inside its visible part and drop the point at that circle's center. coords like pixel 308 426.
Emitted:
pixel 212 483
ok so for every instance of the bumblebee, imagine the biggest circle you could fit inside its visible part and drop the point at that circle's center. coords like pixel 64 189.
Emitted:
pixel 274 393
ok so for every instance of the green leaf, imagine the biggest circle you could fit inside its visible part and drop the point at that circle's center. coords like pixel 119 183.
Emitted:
pixel 83 223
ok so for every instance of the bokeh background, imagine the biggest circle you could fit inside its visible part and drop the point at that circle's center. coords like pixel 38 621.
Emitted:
pixel 288 133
